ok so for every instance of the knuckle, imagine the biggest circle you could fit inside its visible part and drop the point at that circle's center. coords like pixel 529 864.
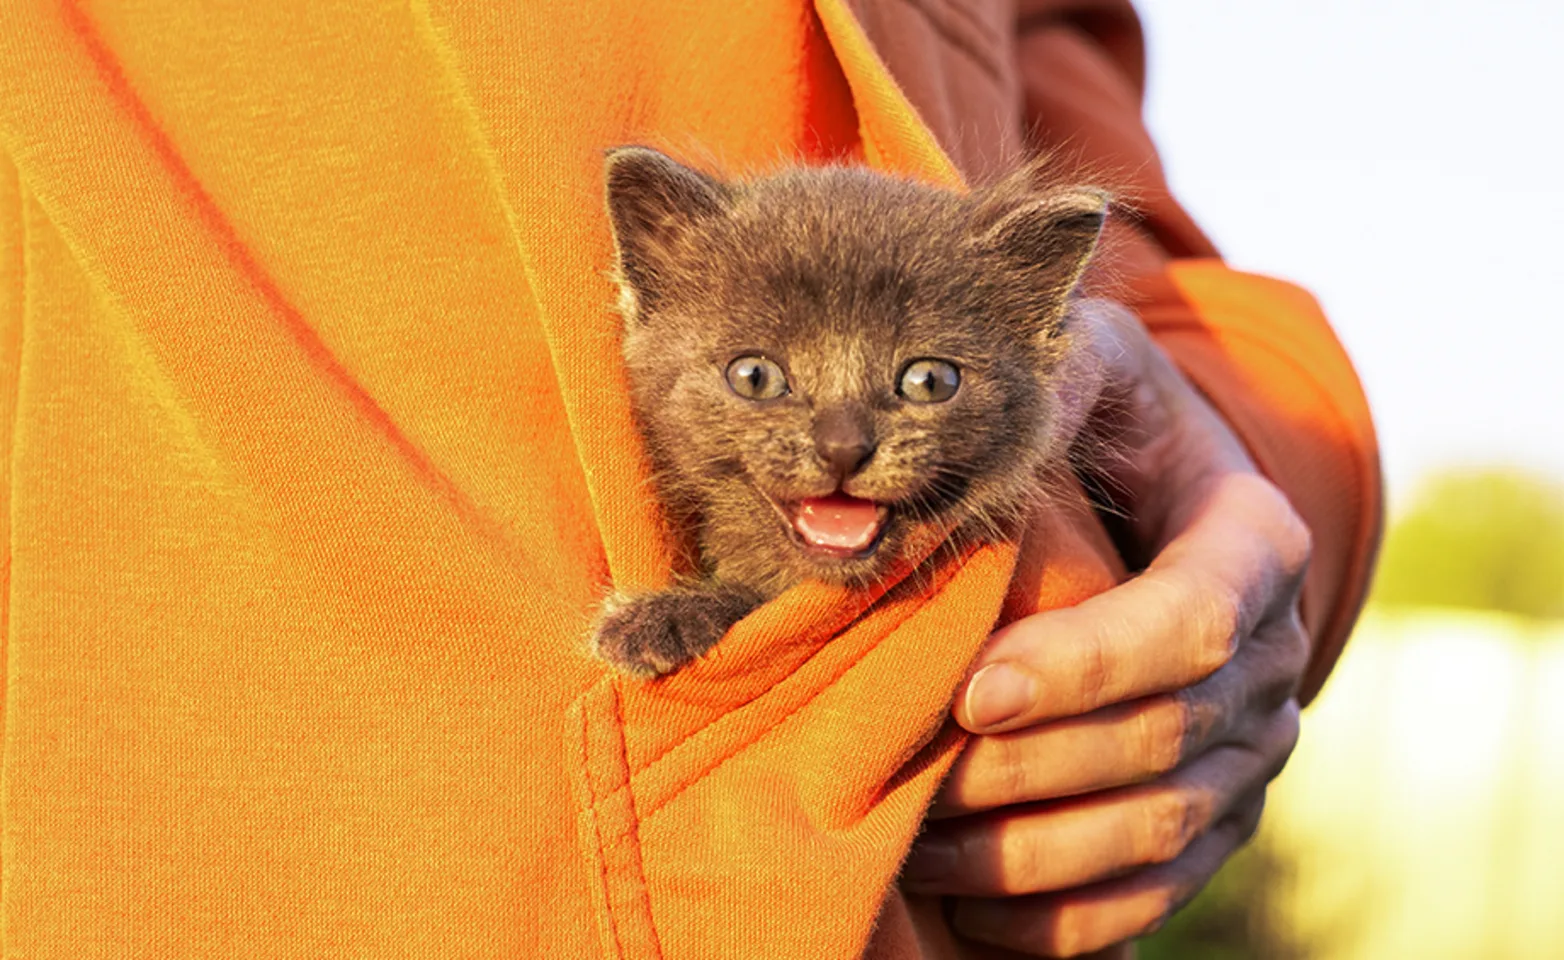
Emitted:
pixel 1167 826
pixel 1069 936
pixel 1095 674
pixel 1251 823
pixel 1288 728
pixel 1078 932
pixel 1246 823
pixel 1164 728
pixel 1091 931
pixel 1298 647
pixel 1285 528
pixel 1079 929
pixel 1012 779
pixel 1290 535
pixel 1295 543
pixel 1073 941
pixel 1292 715
pixel 1165 905
pixel 1282 656
pixel 1216 620
pixel 1021 863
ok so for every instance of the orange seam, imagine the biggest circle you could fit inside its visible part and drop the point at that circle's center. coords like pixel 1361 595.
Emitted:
pixel 584 770
pixel 634 831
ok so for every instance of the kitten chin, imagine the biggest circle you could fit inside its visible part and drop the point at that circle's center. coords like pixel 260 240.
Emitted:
pixel 834 370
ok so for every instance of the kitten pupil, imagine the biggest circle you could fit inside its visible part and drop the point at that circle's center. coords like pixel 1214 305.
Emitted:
pixel 831 365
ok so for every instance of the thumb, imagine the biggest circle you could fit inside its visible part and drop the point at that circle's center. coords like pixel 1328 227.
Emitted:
pixel 1151 436
pixel 1132 382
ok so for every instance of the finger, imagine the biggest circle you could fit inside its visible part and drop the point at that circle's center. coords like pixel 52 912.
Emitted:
pixel 1175 624
pixel 1128 743
pixel 1075 842
pixel 1112 747
pixel 1130 388
pixel 1081 921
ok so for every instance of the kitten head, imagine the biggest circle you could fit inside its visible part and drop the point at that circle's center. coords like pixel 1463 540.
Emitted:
pixel 827 362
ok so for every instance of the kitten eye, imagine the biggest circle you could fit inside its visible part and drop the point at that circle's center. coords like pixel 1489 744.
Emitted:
pixel 929 381
pixel 756 378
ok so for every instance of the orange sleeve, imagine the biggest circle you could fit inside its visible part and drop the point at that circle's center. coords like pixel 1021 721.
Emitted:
pixel 1260 349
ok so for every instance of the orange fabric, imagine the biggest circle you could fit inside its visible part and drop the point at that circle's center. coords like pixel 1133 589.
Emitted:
pixel 319 456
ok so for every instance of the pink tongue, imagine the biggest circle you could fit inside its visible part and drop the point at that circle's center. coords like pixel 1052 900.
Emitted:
pixel 838 522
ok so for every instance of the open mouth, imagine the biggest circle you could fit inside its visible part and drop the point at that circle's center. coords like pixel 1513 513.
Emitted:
pixel 839 525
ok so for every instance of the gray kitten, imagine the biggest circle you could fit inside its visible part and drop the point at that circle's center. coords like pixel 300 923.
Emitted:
pixel 833 367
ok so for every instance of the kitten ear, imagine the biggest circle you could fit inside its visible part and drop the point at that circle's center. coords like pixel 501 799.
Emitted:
pixel 653 202
pixel 1052 236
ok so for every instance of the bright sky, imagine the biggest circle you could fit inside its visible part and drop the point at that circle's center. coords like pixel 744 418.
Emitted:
pixel 1404 160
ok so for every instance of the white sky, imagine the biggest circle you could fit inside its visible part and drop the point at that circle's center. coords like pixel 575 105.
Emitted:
pixel 1404 160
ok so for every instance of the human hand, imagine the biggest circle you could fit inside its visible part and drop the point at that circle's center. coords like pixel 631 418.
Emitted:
pixel 1126 742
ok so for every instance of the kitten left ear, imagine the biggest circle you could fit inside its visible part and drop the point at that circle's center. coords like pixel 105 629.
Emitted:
pixel 1052 236
pixel 653 204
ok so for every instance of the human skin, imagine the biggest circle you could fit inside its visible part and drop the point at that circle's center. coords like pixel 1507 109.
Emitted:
pixel 1160 709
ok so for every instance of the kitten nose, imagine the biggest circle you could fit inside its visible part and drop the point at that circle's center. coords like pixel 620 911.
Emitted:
pixel 844 440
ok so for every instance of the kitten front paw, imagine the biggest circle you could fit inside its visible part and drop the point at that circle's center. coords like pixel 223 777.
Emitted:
pixel 653 635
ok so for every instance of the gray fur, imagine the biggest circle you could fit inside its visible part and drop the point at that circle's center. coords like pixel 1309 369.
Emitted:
pixel 842 276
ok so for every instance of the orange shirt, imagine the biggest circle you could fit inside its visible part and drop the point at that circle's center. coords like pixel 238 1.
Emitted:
pixel 319 456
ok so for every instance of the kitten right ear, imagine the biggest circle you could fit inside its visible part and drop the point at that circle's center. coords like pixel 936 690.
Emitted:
pixel 1052 236
pixel 653 202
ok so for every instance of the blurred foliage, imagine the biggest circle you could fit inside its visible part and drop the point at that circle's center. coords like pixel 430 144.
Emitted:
pixel 1238 916
pixel 1487 539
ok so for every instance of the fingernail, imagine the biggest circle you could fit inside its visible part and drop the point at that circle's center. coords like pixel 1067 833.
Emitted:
pixel 930 862
pixel 999 693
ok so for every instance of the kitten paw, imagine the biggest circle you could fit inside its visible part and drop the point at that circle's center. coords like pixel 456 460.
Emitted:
pixel 655 634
